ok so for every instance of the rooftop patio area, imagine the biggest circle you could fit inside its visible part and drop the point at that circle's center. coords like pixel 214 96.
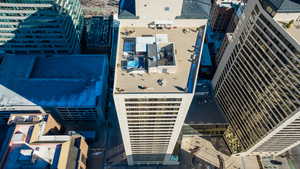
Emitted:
pixel 173 78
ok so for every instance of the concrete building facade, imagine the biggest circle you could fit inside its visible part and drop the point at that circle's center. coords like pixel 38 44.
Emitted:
pixel 236 16
pixel 224 18
pixel 226 41
pixel 157 61
pixel 221 14
pixel 257 81
pixel 40 27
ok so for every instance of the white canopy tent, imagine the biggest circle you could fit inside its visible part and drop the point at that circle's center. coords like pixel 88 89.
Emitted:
pixel 141 43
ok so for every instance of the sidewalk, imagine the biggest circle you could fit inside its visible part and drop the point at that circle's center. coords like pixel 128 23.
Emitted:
pixel 203 149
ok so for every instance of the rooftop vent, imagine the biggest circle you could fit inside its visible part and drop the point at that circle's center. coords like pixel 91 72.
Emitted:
pixel 297 22
pixel 119 89
pixel 142 87
pixel 161 82
pixel 25 119
pixel 25 156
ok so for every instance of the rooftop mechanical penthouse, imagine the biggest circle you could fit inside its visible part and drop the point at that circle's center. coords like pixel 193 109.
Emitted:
pixel 151 60
pixel 156 68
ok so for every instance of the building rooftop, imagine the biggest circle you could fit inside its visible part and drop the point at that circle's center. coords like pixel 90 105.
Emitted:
pixel 285 5
pixel 51 82
pixel 293 29
pixel 204 109
pixel 33 144
pixel 152 60
pixel 287 14
pixel 191 9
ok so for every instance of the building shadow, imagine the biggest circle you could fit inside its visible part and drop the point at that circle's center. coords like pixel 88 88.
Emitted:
pixel 37 70
pixel 45 30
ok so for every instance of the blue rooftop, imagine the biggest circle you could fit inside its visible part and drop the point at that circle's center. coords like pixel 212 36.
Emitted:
pixel 284 5
pixel 191 9
pixel 58 81
pixel 55 67
pixel 195 9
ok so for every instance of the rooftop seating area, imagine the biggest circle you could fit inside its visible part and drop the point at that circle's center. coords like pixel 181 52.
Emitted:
pixel 147 54
pixel 151 56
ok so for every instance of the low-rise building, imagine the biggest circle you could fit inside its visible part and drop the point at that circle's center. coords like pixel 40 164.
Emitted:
pixel 73 87
pixel 34 143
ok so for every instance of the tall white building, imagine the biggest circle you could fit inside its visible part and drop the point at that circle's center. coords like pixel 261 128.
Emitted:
pixel 258 79
pixel 156 69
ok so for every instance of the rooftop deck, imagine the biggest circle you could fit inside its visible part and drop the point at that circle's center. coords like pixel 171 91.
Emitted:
pixel 294 31
pixel 292 27
pixel 186 51
pixel 24 154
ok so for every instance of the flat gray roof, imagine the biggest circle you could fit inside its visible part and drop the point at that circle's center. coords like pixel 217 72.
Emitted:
pixel 60 80
pixel 285 5
pixel 204 109
pixel 195 9
pixel 191 9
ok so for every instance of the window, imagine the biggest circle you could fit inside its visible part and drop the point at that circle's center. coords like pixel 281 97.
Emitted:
pixel 256 9
pixel 269 9
pixel 152 99
pixel 167 8
pixel 153 117
pixel 152 113
pixel 150 109
pixel 151 104
pixel 83 159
